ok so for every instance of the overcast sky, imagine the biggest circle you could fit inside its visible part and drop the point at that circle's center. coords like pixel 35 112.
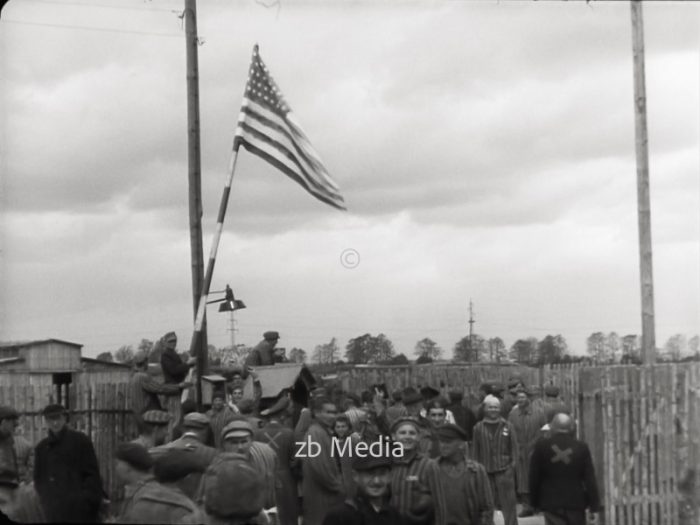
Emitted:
pixel 485 150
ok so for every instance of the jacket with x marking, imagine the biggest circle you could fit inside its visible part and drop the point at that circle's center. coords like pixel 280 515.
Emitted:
pixel 562 475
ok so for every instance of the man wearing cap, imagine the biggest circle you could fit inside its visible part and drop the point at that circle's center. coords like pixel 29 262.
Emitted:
pixel 66 473
pixel 370 506
pixel 416 487
pixel 197 430
pixel 146 500
pixel 153 428
pixel 527 420
pixel 219 416
pixel 181 470
pixel 174 368
pixel 553 404
pixel 465 482
pixel 495 447
pixel 264 352
pixel 562 477
pixel 145 390
pixel 322 482
pixel 280 437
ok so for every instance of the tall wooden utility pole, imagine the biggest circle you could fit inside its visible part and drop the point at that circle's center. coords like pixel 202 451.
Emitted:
pixel 646 273
pixel 195 184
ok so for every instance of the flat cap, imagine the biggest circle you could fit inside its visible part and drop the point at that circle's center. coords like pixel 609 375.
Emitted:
pixel 53 410
pixel 486 386
pixel 195 420
pixel 176 464
pixel 456 395
pixel 8 477
pixel 271 335
pixel 156 417
pixel 405 420
pixel 170 336
pixel 428 392
pixel 551 391
pixel 451 432
pixel 8 413
pixel 498 388
pixel 237 428
pixel 371 462
pixel 135 455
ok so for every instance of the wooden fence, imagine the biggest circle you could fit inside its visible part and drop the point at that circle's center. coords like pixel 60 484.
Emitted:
pixel 98 409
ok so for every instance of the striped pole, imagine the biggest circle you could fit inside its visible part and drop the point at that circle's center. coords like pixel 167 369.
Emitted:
pixel 201 310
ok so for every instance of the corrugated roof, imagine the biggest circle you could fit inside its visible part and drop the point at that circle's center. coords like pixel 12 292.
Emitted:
pixel 12 344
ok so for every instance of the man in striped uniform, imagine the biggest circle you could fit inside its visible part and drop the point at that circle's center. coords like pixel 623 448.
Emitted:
pixel 416 486
pixel 219 416
pixel 495 447
pixel 527 420
pixel 144 389
pixel 466 484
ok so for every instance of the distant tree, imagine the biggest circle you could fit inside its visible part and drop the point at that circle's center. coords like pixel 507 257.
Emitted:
pixel 237 354
pixel 676 347
pixel 369 349
pixel 422 360
pixel 326 353
pixel 146 345
pixel 399 359
pixel 596 347
pixel 613 347
pixel 524 351
pixel 428 348
pixel 105 356
pixel 694 345
pixel 496 350
pixel 470 351
pixel 551 349
pixel 124 354
pixel 297 355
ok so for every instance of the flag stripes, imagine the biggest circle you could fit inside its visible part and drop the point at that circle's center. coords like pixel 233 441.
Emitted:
pixel 267 128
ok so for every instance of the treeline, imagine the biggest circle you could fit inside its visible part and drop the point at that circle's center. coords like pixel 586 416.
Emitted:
pixel 369 349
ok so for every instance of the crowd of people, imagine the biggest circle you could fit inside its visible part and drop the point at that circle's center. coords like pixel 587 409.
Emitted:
pixel 432 460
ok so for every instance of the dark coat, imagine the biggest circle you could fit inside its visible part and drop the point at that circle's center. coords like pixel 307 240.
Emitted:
pixel 358 511
pixel 562 475
pixel 262 355
pixel 174 368
pixel 67 477
pixel 464 417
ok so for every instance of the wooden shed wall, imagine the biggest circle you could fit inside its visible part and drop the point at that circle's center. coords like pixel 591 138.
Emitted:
pixel 52 355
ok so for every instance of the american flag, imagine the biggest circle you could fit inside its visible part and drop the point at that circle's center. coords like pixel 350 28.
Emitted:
pixel 267 128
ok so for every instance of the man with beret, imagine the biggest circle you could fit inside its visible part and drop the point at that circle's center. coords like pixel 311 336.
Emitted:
pixel 280 437
pixel 153 428
pixel 146 500
pixel 495 447
pixel 370 506
pixel 219 416
pixel 263 354
pixel 465 482
pixel 66 473
pixel 527 420
pixel 197 431
pixel 562 477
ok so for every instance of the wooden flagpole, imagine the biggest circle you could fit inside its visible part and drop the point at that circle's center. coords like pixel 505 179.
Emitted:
pixel 646 274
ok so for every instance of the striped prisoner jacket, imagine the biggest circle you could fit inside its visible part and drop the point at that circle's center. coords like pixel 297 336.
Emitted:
pixel 415 480
pixel 495 445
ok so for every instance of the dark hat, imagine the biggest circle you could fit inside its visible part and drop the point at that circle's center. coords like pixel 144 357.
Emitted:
pixel 551 391
pixel 220 394
pixel 498 388
pixel 176 464
pixel 456 395
pixel 156 417
pixel 8 478
pixel 486 386
pixel 135 455
pixel 54 410
pixel 411 397
pixel 428 392
pixel 513 382
pixel 405 419
pixel 397 396
pixel 8 413
pixel 451 432
pixel 237 427
pixel 370 462
pixel 170 336
pixel 271 335
pixel 195 420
